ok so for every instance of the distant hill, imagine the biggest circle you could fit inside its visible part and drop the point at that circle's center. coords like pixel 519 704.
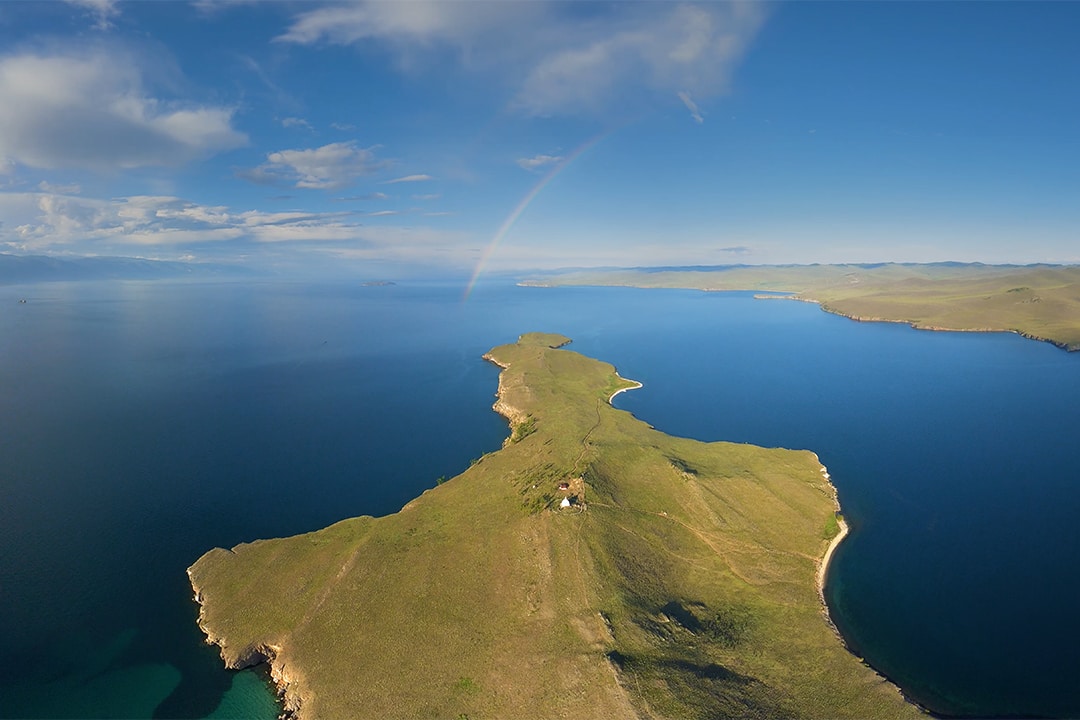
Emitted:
pixel 1038 301
pixel 18 269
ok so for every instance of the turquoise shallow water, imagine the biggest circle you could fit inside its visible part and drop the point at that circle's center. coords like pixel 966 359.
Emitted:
pixel 143 423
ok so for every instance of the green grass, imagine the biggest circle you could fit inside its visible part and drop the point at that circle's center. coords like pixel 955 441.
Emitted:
pixel 1038 301
pixel 685 588
pixel 524 429
pixel 832 526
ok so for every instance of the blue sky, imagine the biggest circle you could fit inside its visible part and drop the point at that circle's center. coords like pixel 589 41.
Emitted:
pixel 389 137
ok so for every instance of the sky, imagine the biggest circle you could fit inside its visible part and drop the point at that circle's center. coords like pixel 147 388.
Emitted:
pixel 399 136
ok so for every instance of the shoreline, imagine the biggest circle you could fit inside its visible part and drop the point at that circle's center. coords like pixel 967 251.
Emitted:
pixel 637 385
pixel 916 325
pixel 515 399
pixel 823 566
pixel 822 576
pixel 288 695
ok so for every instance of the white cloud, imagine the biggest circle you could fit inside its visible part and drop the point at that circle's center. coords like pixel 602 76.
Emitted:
pixel 306 232
pixel 413 245
pixel 210 7
pixel 33 220
pixel 408 179
pixel 295 122
pixel 555 57
pixel 325 168
pixel 49 187
pixel 41 222
pixel 427 22
pixel 99 6
pixel 691 106
pixel 47 221
pixel 649 47
pixel 538 161
pixel 91 111
pixel 104 10
pixel 362 198
pixel 428 196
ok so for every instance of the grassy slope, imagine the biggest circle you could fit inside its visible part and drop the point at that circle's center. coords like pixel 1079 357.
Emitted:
pixel 1041 302
pixel 686 589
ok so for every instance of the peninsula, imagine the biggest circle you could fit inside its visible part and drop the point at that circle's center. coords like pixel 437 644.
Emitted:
pixel 1041 302
pixel 591 568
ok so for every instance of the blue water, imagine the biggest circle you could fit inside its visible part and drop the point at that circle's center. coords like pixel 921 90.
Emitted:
pixel 143 423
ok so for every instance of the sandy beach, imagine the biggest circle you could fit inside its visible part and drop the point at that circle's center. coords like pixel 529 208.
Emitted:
pixel 635 387
pixel 823 568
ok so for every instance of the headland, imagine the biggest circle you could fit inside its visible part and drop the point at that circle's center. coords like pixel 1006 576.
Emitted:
pixel 683 583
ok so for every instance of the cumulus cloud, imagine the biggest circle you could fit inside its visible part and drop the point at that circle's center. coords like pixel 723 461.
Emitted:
pixel 538 161
pixel 41 222
pixel 408 179
pixel 554 57
pixel 91 111
pixel 324 168
pixel 47 220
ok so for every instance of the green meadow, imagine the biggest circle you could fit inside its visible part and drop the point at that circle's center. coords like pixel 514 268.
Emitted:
pixel 680 582
pixel 1037 301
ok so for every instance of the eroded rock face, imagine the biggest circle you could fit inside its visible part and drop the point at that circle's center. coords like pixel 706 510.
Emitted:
pixel 253 654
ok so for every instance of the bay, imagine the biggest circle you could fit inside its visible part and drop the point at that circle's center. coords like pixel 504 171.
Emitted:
pixel 143 423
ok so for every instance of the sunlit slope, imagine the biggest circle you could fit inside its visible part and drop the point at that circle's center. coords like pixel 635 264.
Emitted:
pixel 681 584
pixel 1039 301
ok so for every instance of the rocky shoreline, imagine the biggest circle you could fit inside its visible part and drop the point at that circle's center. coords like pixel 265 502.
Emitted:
pixel 287 688
pixel 320 620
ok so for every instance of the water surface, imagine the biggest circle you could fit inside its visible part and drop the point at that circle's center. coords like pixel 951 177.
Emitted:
pixel 143 423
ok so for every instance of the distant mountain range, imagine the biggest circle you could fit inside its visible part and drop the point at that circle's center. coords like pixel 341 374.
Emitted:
pixel 745 266
pixel 16 269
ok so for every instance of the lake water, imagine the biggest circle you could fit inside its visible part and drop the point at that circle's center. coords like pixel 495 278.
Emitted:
pixel 144 423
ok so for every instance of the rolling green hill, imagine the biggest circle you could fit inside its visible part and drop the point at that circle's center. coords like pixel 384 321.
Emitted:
pixel 1038 301
pixel 680 583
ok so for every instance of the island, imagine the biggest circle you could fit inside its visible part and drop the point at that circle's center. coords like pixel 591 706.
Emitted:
pixel 593 567
pixel 1041 302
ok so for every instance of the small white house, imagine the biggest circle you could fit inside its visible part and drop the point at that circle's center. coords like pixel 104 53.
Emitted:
pixel 565 502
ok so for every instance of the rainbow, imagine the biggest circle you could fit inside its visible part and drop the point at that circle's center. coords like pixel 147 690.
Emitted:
pixel 522 205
